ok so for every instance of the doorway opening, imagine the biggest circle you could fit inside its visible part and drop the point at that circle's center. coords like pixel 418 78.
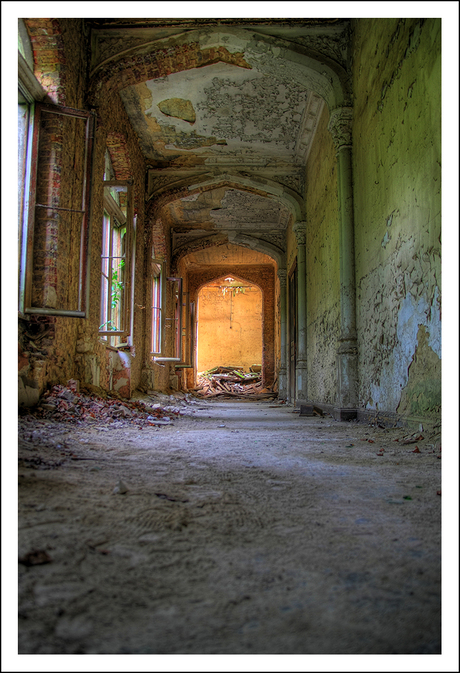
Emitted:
pixel 229 325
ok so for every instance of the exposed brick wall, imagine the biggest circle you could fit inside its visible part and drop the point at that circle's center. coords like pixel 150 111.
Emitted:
pixel 264 278
pixel 119 154
pixel 115 133
pixel 72 348
pixel 127 71
pixel 49 56
pixel 55 44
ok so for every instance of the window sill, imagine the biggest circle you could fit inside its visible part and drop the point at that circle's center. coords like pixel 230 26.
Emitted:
pixel 121 347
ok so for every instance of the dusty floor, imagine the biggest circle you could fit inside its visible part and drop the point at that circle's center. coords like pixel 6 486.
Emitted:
pixel 245 529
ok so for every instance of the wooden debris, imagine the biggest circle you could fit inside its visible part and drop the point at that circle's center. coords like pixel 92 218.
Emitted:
pixel 231 382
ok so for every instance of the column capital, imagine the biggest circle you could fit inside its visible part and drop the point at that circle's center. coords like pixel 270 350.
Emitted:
pixel 340 127
pixel 300 231
pixel 282 275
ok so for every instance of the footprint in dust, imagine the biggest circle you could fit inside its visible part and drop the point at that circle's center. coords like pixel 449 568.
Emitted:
pixel 155 519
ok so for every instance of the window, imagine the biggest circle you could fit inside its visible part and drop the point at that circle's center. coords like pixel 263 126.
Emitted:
pixel 54 207
pixel 25 126
pixel 115 312
pixel 177 315
pixel 55 153
pixel 158 303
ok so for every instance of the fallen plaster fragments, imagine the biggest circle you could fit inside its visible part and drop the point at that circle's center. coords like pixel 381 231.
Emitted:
pixel 64 403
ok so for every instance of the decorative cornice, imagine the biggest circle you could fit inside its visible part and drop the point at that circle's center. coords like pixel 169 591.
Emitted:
pixel 300 232
pixel 282 275
pixel 340 127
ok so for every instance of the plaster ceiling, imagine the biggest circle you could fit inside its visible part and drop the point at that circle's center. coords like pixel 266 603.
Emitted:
pixel 241 130
pixel 220 110
pixel 228 208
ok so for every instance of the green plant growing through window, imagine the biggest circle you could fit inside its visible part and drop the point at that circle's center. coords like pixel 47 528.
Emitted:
pixel 116 294
pixel 117 284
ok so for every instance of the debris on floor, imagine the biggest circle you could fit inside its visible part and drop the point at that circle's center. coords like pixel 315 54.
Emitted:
pixel 63 403
pixel 232 382
pixel 35 558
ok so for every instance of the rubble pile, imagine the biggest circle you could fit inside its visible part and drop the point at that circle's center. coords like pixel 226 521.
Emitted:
pixel 64 403
pixel 231 382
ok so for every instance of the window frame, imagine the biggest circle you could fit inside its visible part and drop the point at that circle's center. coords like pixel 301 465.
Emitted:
pixel 24 187
pixel 158 333
pixel 30 206
pixel 176 319
pixel 110 206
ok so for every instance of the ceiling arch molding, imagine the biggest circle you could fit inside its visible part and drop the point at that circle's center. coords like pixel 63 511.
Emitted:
pixel 270 188
pixel 272 56
pixel 252 184
pixel 219 239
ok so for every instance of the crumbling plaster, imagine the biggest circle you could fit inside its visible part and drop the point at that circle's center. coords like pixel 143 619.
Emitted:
pixel 323 277
pixel 396 150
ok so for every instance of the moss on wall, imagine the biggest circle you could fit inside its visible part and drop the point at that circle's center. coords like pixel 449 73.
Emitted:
pixel 397 201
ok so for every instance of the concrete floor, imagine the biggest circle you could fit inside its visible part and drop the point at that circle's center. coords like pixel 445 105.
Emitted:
pixel 245 529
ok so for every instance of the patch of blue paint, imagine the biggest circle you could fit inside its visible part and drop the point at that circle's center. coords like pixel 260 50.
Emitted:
pixel 386 393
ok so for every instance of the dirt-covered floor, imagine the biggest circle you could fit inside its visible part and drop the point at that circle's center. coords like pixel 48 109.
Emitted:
pixel 238 528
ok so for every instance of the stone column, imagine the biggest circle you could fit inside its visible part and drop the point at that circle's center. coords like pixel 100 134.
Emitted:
pixel 340 126
pixel 282 376
pixel 301 355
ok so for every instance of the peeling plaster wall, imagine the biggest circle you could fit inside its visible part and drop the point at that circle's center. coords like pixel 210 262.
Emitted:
pixel 322 255
pixel 397 201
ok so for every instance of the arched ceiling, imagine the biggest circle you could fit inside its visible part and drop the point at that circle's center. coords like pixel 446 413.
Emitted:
pixel 233 255
pixel 225 208
pixel 226 109
pixel 227 113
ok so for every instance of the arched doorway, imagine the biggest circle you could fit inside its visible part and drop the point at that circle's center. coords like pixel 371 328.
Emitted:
pixel 229 324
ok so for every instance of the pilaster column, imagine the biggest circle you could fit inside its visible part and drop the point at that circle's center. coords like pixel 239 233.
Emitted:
pixel 301 355
pixel 282 376
pixel 340 126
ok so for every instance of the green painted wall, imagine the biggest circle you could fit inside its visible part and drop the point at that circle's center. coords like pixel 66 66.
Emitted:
pixel 322 254
pixel 397 206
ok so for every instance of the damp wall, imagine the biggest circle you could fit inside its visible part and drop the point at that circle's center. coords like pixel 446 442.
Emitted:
pixel 397 214
pixel 322 256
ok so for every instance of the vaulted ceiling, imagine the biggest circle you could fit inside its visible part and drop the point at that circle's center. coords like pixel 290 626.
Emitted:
pixel 236 131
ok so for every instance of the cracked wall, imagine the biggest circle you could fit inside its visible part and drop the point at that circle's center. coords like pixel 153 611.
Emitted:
pixel 397 201
pixel 322 255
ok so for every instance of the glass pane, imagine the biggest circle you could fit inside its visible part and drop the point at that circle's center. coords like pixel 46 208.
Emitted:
pixel 59 226
pixel 113 260
pixel 156 315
